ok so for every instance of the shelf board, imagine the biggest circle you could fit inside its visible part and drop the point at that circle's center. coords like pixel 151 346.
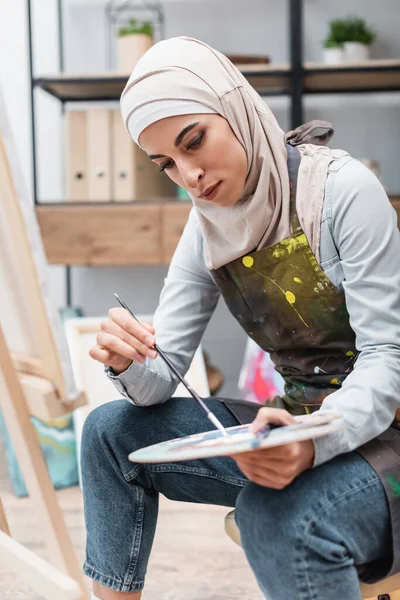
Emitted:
pixel 112 233
pixel 319 78
pixel 369 76
pixel 68 87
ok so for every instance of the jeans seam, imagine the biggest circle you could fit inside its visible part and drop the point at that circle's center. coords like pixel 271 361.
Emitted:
pixel 131 474
pixel 137 536
pixel 309 521
pixel 114 583
pixel 127 581
pixel 196 471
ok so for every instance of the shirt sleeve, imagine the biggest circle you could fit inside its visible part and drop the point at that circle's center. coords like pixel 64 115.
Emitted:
pixel 365 233
pixel 187 302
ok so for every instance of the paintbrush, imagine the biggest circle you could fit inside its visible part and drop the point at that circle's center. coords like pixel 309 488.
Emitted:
pixel 191 391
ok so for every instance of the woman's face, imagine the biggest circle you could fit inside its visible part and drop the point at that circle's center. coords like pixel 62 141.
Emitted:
pixel 201 154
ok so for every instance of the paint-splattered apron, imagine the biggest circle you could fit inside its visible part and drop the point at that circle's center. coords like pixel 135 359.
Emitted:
pixel 284 301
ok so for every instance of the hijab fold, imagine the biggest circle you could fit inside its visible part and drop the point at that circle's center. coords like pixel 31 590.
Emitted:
pixel 183 71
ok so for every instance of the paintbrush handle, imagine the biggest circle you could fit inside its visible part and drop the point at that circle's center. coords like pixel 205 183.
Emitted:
pixel 170 364
pixel 179 376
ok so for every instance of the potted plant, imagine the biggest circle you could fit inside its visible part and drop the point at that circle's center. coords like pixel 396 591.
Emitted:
pixel 359 38
pixel 348 39
pixel 133 41
pixel 333 44
pixel 333 51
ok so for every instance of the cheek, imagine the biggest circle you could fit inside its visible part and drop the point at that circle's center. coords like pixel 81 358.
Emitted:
pixel 173 174
pixel 235 159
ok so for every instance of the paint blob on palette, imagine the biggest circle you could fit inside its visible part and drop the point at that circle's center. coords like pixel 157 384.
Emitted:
pixel 238 439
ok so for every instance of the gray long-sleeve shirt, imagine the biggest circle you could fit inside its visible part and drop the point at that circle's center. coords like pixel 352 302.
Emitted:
pixel 360 254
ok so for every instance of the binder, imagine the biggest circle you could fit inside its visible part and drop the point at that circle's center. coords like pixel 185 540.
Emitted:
pixel 76 156
pixel 98 131
pixel 135 177
pixel 122 161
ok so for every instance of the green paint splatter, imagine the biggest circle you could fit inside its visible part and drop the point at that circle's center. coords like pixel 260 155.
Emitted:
pixel 393 482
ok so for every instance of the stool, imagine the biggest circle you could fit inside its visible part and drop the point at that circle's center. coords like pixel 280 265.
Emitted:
pixel 379 591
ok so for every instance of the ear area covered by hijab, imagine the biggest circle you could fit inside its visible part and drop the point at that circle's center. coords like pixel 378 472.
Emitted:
pixel 185 74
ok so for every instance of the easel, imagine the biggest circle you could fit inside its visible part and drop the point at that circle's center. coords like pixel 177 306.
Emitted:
pixel 33 383
pixel 38 574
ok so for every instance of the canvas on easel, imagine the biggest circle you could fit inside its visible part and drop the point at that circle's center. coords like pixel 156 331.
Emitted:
pixel 35 372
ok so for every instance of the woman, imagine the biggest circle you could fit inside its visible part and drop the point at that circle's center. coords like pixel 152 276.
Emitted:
pixel 302 243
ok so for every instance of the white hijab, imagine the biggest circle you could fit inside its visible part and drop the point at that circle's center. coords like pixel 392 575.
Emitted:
pixel 182 76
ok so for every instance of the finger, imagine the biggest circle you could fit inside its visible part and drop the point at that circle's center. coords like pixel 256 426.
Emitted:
pixel 274 483
pixel 125 320
pixel 118 346
pixel 266 477
pixel 112 328
pixel 285 453
pixel 266 415
pixel 149 327
pixel 100 354
pixel 275 467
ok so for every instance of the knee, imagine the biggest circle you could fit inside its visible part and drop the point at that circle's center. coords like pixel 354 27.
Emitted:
pixel 266 516
pixel 289 522
pixel 104 427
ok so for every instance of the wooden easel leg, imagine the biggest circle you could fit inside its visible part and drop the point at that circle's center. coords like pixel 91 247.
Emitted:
pixel 34 469
pixel 37 573
pixel 3 520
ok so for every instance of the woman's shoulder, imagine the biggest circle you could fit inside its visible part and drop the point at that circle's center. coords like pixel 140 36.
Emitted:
pixel 350 182
pixel 355 199
pixel 350 174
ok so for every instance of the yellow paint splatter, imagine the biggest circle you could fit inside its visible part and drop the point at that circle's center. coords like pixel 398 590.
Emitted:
pixel 290 297
pixel 248 261
pixel 349 353
pixel 335 380
pixel 297 280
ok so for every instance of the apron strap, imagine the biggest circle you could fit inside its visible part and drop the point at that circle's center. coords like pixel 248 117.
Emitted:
pixel 293 162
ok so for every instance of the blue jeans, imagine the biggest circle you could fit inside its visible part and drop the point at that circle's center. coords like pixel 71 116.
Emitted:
pixel 307 541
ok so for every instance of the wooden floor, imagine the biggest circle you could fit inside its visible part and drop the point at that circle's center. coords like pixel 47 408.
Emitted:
pixel 192 558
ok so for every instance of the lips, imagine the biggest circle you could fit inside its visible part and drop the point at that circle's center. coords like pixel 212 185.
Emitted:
pixel 209 190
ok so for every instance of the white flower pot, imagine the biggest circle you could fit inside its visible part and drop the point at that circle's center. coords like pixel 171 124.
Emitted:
pixel 130 49
pixel 354 51
pixel 332 56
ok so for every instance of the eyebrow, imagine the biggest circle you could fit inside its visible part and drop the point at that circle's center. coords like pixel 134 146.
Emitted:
pixel 178 140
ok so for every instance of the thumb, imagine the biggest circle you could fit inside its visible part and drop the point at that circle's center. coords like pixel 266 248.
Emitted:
pixel 275 416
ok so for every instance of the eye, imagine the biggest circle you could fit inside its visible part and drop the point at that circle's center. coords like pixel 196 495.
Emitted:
pixel 167 165
pixel 195 142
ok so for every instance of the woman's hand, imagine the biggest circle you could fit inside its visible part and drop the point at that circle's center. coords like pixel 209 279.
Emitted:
pixel 275 467
pixel 123 340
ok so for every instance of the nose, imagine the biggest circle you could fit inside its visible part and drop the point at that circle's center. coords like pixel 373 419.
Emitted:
pixel 191 175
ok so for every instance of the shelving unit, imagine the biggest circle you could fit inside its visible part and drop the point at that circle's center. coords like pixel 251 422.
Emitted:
pixel 70 230
pixel 375 76
pixel 84 88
